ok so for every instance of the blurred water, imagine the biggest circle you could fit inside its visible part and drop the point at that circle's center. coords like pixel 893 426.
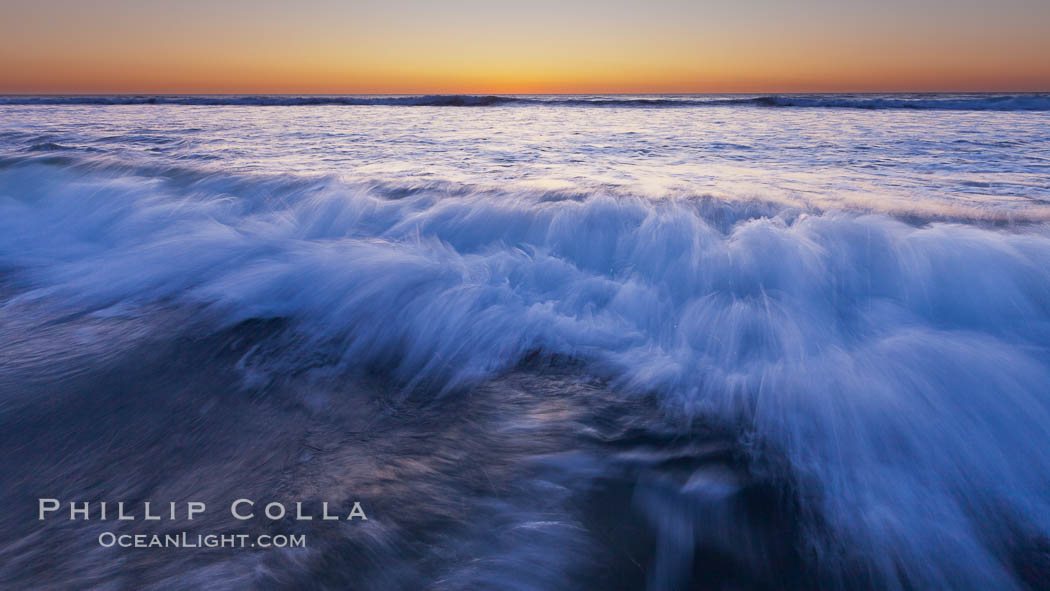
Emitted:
pixel 708 346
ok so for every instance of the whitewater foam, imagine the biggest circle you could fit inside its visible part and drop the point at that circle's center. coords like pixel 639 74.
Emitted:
pixel 900 370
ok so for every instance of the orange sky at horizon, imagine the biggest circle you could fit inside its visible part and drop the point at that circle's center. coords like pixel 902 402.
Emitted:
pixel 546 46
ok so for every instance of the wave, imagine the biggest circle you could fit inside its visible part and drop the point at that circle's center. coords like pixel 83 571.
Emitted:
pixel 900 371
pixel 1021 102
pixel 945 102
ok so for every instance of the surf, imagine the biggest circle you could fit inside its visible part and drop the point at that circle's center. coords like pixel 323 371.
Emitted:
pixel 898 369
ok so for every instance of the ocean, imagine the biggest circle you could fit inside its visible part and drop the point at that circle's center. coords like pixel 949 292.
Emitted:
pixel 547 342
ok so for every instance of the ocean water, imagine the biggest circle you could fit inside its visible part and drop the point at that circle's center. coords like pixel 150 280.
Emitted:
pixel 661 342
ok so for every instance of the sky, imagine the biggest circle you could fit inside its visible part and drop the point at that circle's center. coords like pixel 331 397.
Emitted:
pixel 523 46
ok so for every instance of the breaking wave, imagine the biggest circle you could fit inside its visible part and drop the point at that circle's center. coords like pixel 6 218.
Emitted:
pixel 900 370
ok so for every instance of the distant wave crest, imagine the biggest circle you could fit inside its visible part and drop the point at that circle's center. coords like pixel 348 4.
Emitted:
pixel 947 102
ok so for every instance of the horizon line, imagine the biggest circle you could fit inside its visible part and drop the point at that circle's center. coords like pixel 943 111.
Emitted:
pixel 483 94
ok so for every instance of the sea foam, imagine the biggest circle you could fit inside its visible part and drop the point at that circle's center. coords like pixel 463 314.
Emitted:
pixel 899 369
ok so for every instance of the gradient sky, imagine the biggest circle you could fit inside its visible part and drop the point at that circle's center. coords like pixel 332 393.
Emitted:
pixel 525 46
